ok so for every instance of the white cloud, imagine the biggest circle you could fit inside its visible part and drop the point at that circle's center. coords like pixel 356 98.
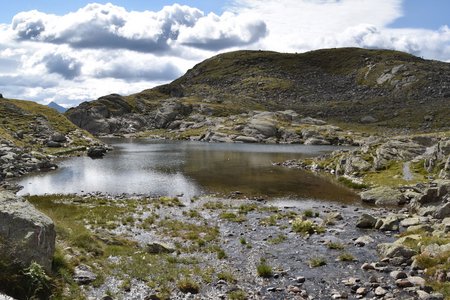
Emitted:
pixel 218 32
pixel 101 49
pixel 108 26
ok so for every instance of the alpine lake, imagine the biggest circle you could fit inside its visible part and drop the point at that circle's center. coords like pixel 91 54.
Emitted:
pixel 188 169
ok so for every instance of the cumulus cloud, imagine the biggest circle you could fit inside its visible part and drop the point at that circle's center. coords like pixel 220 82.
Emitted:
pixel 302 25
pixel 135 69
pixel 66 66
pixel 110 26
pixel 103 48
pixel 218 32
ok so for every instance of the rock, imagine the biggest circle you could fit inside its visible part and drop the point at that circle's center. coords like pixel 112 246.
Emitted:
pixel 390 223
pixel 96 152
pixel 312 121
pixel 362 291
pixel 100 116
pixel 294 289
pixel 339 295
pixel 410 222
pixel 158 248
pixel 398 274
pixel 421 227
pixel 83 275
pixel 317 141
pixel 356 164
pixel 265 127
pixel 368 120
pixel 367 267
pixel 2 296
pixel 246 139
pixel 363 240
pixel 395 250
pixel 435 250
pixel 58 137
pixel 53 144
pixel 426 296
pixel 366 221
pixel 417 281
pixel 402 149
pixel 300 279
pixel 430 195
pixel 383 196
pixel 442 211
pixel 403 283
pixel 29 234
pixel 169 111
pixel 379 291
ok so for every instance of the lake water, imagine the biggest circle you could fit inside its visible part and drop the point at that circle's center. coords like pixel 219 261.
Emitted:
pixel 191 169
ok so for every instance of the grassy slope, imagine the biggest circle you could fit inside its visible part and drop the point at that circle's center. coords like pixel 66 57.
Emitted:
pixel 22 116
pixel 316 83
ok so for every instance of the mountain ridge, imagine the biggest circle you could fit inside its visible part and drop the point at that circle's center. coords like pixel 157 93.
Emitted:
pixel 345 85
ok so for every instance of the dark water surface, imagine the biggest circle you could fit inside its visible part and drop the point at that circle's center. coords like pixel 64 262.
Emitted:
pixel 190 168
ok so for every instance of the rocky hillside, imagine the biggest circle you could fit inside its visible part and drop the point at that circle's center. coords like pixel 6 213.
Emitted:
pixel 384 88
pixel 32 134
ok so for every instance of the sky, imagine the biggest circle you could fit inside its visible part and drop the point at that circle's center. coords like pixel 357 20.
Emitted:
pixel 74 51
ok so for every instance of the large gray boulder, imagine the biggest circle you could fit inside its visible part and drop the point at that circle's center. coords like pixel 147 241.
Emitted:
pixel 26 234
pixel 383 196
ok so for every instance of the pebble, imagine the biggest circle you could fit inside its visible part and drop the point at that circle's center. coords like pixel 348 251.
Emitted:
pixel 379 291
pixel 398 274
pixel 403 283
pixel 362 291
pixel 417 281
pixel 294 289
pixel 367 266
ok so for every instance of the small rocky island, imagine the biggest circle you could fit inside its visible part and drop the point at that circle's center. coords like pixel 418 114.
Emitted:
pixel 391 107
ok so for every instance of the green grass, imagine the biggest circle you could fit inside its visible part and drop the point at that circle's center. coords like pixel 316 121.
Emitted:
pixel 263 269
pixel 351 184
pixel 309 213
pixel 277 240
pixel 345 256
pixel 306 227
pixel 188 285
pixel 227 276
pixel 20 116
pixel 232 217
pixel 335 246
pixel 73 217
pixel 317 262
pixel 237 295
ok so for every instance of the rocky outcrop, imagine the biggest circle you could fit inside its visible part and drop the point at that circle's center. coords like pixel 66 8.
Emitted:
pixel 102 117
pixel 27 235
pixel 169 112
pixel 15 161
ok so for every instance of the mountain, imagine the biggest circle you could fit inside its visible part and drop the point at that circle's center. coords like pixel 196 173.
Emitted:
pixel 57 107
pixel 380 88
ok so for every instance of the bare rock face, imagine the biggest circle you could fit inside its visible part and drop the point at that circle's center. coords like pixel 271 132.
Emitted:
pixel 26 234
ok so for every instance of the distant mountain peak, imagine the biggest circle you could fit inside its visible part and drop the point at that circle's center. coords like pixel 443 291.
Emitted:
pixel 57 107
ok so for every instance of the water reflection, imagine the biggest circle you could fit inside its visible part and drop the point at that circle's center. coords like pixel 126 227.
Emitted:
pixel 189 168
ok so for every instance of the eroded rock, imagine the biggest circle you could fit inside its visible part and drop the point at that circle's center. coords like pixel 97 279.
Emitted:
pixel 28 234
